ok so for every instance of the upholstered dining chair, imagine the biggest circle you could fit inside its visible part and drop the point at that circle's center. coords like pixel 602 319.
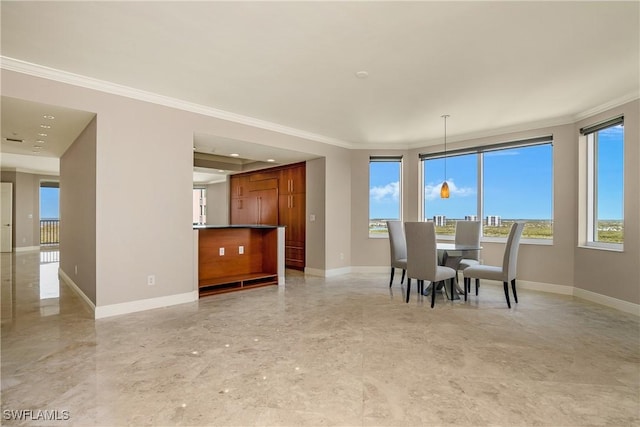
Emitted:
pixel 506 273
pixel 468 233
pixel 422 258
pixel 398 248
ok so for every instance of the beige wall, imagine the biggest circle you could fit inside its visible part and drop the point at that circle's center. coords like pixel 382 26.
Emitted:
pixel 143 199
pixel 218 203
pixel 315 205
pixel 143 187
pixel 78 211
pixel 617 274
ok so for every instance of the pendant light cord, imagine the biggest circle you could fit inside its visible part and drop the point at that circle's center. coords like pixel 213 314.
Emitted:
pixel 444 116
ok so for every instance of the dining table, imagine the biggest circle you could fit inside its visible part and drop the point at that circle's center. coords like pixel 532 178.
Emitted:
pixel 449 255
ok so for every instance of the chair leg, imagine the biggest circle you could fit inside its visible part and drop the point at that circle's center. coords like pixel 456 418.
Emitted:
pixel 452 286
pixel 466 283
pixel 506 293
pixel 408 288
pixel 477 285
pixel 393 270
pixel 433 293
pixel 403 273
pixel 513 286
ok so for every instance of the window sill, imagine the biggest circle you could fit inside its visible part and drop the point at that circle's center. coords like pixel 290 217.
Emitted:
pixel 610 247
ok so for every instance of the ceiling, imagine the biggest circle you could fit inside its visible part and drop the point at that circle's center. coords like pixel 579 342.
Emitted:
pixel 492 66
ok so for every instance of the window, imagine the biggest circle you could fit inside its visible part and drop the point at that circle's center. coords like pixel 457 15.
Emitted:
pixel 605 182
pixel 384 193
pixel 518 186
pixel 463 183
pixel 498 184
pixel 199 205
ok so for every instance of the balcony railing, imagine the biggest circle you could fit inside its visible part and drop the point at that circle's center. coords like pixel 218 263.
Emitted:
pixel 49 231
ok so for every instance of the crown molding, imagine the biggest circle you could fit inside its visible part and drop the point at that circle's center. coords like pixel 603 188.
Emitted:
pixel 607 106
pixel 19 66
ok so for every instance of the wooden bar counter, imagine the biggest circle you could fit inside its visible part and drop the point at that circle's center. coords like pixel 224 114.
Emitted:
pixel 235 257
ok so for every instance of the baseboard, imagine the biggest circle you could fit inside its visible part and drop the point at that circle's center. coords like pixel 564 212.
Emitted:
pixel 146 304
pixel 26 248
pixel 545 287
pixel 627 307
pixel 67 280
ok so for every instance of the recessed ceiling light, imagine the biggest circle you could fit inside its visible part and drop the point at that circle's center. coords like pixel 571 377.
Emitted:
pixel 48 117
pixel 234 155
pixel 45 126
pixel 221 170
pixel 362 74
pixel 42 134
pixel 270 160
pixel 40 141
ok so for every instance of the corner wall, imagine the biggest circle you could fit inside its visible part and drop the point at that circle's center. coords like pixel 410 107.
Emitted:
pixel 78 212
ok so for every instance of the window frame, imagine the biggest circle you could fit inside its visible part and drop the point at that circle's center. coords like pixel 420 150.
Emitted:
pixel 390 159
pixel 589 226
pixel 202 204
pixel 480 151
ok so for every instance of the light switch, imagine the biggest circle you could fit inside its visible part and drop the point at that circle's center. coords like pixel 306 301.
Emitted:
pixel 312 217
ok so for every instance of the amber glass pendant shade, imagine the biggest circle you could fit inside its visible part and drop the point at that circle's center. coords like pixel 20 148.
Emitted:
pixel 444 190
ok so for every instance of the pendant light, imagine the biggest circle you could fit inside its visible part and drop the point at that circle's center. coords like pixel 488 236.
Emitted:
pixel 444 189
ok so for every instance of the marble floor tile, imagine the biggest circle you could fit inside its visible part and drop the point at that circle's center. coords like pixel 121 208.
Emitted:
pixel 339 351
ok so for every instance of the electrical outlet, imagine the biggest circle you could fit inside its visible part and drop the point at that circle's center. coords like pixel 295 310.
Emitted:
pixel 240 250
pixel 221 251
pixel 151 280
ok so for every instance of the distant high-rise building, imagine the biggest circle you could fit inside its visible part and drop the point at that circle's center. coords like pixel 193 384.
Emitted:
pixel 494 220
pixel 471 217
pixel 440 220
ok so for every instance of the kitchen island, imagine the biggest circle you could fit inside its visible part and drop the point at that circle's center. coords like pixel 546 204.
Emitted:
pixel 236 257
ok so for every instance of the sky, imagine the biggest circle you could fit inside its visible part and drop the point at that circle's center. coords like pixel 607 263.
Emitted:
pixel 517 183
pixel 49 203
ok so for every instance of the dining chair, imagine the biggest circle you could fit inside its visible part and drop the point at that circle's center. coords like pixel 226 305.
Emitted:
pixel 398 248
pixel 422 258
pixel 468 233
pixel 506 273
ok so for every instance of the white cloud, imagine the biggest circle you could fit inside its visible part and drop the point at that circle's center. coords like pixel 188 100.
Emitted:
pixel 390 191
pixel 432 191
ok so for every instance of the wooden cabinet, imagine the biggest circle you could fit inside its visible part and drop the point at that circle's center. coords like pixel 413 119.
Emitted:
pixel 254 202
pixel 292 215
pixel 274 196
pixel 292 180
pixel 239 186
pixel 232 258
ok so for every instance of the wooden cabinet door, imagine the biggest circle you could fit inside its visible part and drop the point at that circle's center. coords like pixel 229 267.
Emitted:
pixel 239 186
pixel 292 216
pixel 243 211
pixel 266 206
pixel 292 180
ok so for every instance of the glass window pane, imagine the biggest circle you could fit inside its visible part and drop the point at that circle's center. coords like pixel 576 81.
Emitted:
pixel 609 185
pixel 518 185
pixel 462 178
pixel 384 195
